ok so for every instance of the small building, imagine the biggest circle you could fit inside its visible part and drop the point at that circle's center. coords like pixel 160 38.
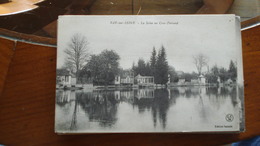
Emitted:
pixel 144 93
pixel 202 79
pixel 194 81
pixel 125 78
pixel 117 80
pixel 229 82
pixel 65 78
pixel 181 81
pixel 144 80
pixel 218 80
pixel 169 79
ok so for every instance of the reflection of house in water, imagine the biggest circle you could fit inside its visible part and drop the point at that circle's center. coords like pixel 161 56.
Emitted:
pixel 144 93
pixel 65 78
pixel 117 95
pixel 131 94
pixel 65 96
pixel 144 80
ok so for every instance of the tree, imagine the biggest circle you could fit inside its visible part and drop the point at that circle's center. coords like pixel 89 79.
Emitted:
pixel 161 74
pixel 223 74
pixel 104 67
pixel 153 62
pixel 142 68
pixel 215 70
pixel 200 61
pixel 212 76
pixel 76 53
pixel 232 71
pixel 173 74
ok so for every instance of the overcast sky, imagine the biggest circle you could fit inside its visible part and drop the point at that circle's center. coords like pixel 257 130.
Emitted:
pixel 212 36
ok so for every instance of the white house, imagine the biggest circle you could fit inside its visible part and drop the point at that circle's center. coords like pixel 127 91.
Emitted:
pixel 144 80
pixel 125 78
pixel 66 78
pixel 181 81
pixel 202 79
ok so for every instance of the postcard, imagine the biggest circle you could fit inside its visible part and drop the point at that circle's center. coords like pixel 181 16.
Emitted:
pixel 149 74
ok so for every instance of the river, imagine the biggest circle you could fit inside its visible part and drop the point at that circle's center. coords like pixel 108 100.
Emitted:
pixel 147 110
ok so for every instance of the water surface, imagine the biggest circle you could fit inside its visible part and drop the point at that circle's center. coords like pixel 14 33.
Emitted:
pixel 147 110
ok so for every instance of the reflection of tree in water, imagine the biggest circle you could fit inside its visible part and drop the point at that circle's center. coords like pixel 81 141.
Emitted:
pixel 187 92
pixel 101 106
pixel 62 97
pixel 73 125
pixel 159 105
pixel 217 95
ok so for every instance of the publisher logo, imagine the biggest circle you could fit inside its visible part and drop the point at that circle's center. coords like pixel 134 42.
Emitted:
pixel 229 117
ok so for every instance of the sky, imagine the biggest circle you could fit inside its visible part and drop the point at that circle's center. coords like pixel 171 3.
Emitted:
pixel 183 37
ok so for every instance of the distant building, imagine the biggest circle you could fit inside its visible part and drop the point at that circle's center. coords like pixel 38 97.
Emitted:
pixel 181 81
pixel 144 80
pixel 229 81
pixel 218 80
pixel 202 79
pixel 169 79
pixel 65 78
pixel 194 81
pixel 125 78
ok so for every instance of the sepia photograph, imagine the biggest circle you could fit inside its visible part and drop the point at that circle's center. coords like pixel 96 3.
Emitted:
pixel 121 74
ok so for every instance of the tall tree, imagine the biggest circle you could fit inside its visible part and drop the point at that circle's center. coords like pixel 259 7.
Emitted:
pixel 76 53
pixel 232 71
pixel 153 62
pixel 200 61
pixel 161 75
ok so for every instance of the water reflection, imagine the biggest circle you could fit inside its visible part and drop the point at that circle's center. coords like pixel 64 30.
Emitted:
pixel 143 109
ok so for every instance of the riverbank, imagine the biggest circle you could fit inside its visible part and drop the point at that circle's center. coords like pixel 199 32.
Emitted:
pixel 135 86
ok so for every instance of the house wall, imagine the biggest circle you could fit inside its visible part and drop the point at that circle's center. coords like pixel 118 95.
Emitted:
pixel 117 80
pixel 145 80
pixel 127 80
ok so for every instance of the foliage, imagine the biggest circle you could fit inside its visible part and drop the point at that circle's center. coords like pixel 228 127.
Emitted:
pixel 103 67
pixel 173 75
pixel 223 74
pixel 161 72
pixel 232 71
pixel 153 62
pixel 157 67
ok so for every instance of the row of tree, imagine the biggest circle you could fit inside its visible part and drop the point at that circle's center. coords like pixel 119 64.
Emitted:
pixel 102 68
pixel 99 69
pixel 222 73
pixel 215 74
